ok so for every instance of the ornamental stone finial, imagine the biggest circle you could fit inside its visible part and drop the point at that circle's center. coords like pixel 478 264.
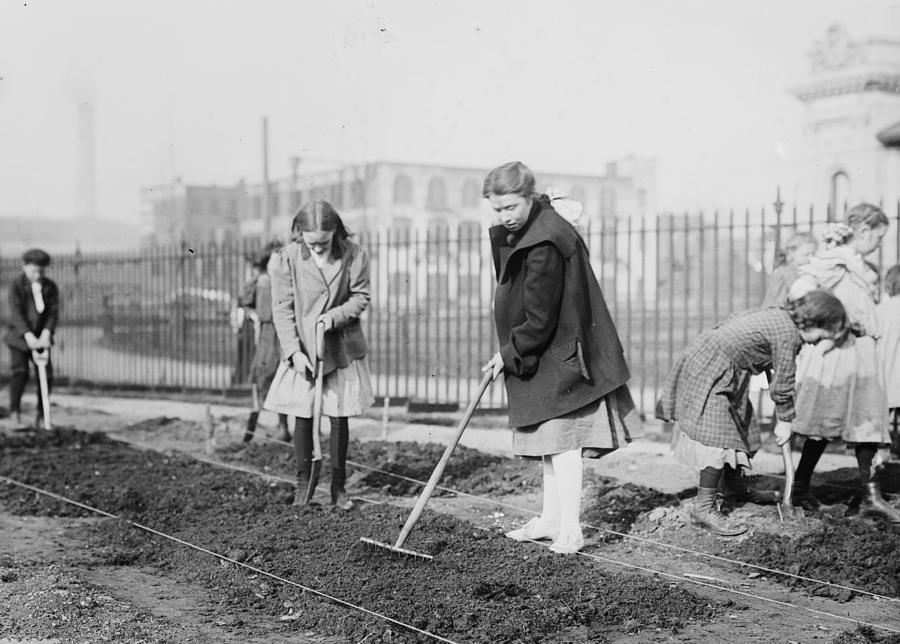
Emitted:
pixel 835 52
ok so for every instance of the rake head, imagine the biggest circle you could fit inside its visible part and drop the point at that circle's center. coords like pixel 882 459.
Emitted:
pixel 395 549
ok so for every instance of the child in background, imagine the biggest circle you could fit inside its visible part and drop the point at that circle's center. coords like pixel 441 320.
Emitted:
pixel 257 296
pixel 797 252
pixel 840 391
pixel 888 315
pixel 33 315
pixel 706 393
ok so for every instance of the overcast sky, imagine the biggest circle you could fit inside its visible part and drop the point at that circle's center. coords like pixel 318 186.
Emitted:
pixel 180 87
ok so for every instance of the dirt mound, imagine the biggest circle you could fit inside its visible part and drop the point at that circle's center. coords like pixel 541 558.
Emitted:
pixel 866 635
pixel 482 587
pixel 614 505
pixel 852 552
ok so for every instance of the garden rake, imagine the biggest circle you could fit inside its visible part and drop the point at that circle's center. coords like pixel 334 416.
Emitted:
pixel 397 547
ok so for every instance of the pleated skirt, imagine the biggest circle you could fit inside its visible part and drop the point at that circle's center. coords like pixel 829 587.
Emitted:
pixel 597 429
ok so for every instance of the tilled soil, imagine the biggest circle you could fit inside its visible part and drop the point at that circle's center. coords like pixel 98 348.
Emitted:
pixel 480 586
pixel 608 503
pixel 837 547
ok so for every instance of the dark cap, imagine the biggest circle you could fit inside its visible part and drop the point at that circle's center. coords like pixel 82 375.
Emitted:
pixel 36 256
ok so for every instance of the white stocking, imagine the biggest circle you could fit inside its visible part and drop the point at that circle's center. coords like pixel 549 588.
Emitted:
pixel 567 467
pixel 550 509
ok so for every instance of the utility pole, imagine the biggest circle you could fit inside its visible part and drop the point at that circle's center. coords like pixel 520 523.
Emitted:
pixel 266 197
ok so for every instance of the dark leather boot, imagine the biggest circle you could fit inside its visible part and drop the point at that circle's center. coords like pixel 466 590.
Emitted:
pixel 874 505
pixel 339 498
pixel 706 515
pixel 741 488
pixel 251 426
pixel 801 497
pixel 285 436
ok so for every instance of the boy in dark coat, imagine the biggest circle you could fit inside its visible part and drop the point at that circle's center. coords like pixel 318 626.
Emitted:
pixel 33 314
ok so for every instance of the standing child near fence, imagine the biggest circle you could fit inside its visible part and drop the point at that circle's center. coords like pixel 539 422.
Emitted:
pixel 840 393
pixel 888 315
pixel 322 277
pixel 706 391
pixel 257 296
pixel 797 252
pixel 33 314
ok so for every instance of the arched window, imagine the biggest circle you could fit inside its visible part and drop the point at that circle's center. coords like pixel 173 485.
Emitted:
pixel 357 193
pixel 840 193
pixel 471 193
pixel 437 194
pixel 403 189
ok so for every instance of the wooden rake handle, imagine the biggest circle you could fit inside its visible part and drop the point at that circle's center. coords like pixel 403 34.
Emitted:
pixel 319 385
pixel 442 464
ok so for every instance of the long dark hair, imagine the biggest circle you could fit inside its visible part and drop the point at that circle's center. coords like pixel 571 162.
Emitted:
pixel 321 215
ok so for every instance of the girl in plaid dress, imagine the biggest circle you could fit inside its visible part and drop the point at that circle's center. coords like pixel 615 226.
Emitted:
pixel 706 391
pixel 840 393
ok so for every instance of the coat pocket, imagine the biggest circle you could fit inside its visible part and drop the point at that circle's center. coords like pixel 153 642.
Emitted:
pixel 570 355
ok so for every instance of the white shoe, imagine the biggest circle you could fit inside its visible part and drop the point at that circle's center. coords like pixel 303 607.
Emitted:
pixel 568 544
pixel 533 530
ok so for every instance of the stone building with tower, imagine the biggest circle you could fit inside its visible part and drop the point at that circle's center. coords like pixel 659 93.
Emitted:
pixel 851 133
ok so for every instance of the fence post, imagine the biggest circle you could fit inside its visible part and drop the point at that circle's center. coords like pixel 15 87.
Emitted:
pixel 779 204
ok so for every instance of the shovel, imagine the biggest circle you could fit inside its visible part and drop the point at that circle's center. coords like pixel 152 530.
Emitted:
pixel 41 359
pixel 316 467
pixel 432 482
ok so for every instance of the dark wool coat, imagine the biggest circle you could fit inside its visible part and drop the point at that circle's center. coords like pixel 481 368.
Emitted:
pixel 23 315
pixel 559 345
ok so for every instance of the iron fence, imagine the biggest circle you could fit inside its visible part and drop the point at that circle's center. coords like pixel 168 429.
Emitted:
pixel 167 318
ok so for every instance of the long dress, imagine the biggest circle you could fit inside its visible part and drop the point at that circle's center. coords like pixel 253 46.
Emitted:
pixel 840 390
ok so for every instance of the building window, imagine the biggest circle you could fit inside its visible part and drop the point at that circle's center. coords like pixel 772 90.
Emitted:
pixel 471 193
pixel 337 195
pixel 403 189
pixel 437 194
pixel 275 206
pixel 840 193
pixel 357 193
